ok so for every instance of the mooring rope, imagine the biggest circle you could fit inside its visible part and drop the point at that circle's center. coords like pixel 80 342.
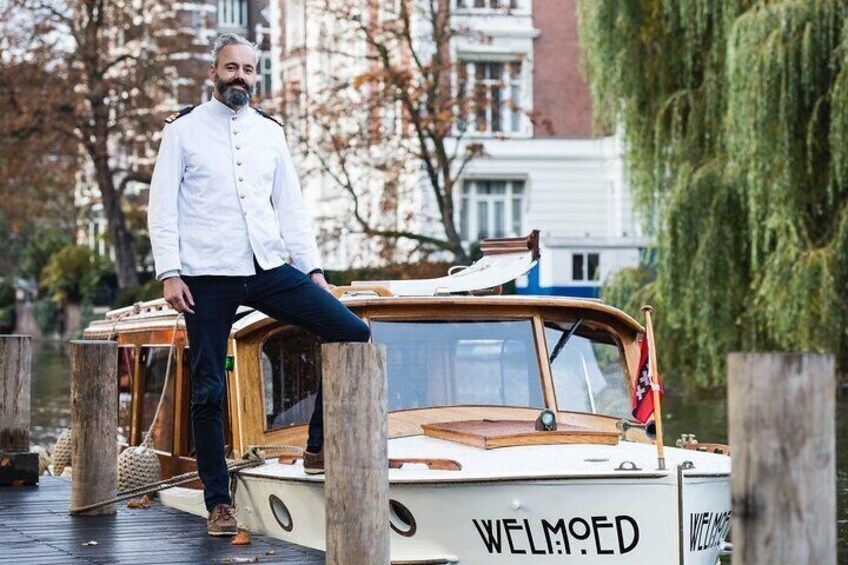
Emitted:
pixel 253 457
pixel 146 441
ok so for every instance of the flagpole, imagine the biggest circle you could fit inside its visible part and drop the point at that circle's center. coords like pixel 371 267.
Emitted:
pixel 655 388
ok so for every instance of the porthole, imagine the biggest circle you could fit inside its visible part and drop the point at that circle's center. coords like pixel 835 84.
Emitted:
pixel 281 513
pixel 401 519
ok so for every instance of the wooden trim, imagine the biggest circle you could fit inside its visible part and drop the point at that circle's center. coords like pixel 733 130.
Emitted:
pixel 511 245
pixel 544 366
pixel 134 437
pixel 232 380
pixel 432 464
pixel 490 434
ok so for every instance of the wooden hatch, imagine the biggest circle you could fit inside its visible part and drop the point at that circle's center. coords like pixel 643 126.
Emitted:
pixel 489 434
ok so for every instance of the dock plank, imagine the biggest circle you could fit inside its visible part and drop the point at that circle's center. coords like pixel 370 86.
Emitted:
pixel 35 527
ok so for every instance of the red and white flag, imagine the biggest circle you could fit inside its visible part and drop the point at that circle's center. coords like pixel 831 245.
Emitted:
pixel 643 398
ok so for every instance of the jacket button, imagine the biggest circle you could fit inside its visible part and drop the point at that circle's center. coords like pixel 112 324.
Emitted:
pixel 242 195
pixel 241 179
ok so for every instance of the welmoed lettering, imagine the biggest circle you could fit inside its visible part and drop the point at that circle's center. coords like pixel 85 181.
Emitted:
pixel 598 535
pixel 707 529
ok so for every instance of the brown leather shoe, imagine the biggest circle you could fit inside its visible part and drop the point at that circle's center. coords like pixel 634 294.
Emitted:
pixel 222 521
pixel 313 463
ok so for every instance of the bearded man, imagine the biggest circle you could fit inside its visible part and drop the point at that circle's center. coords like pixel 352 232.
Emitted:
pixel 223 199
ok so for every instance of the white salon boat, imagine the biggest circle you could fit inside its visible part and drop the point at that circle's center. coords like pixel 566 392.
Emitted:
pixel 472 479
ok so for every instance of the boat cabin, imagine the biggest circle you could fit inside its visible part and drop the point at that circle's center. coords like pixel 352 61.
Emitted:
pixel 450 358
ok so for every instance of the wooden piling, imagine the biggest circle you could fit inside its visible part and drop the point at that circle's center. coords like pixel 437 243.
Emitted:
pixel 781 411
pixel 94 455
pixel 15 375
pixel 356 489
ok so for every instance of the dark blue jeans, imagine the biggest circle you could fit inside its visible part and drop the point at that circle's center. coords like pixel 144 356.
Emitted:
pixel 283 293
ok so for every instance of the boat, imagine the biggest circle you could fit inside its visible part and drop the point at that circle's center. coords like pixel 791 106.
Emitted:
pixel 511 438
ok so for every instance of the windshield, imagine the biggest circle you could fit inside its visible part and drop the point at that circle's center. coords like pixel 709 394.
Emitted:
pixel 460 363
pixel 588 374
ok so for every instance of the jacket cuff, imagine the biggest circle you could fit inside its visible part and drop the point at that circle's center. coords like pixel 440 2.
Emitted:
pixel 168 274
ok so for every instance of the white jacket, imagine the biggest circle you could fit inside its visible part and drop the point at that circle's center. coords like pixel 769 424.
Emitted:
pixel 223 191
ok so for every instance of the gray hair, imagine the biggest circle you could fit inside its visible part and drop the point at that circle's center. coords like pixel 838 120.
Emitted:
pixel 226 39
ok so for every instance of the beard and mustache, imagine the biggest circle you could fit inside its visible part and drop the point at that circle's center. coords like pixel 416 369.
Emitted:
pixel 233 96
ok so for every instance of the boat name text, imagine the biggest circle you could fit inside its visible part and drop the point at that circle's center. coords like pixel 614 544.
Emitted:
pixel 707 529
pixel 600 534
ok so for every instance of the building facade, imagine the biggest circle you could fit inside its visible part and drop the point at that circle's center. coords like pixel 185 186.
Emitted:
pixel 542 165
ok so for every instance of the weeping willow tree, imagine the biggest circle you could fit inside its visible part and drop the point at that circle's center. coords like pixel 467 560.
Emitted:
pixel 735 119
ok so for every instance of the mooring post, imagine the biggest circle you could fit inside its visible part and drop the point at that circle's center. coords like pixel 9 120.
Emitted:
pixel 781 412
pixel 94 454
pixel 17 465
pixel 356 489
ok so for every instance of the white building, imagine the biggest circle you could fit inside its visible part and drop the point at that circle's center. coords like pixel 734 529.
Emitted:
pixel 543 167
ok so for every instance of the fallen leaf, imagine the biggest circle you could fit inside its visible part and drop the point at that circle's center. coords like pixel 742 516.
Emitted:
pixel 143 503
pixel 271 552
pixel 92 542
pixel 241 538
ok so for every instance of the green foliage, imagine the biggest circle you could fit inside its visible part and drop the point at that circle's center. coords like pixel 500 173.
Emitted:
pixel 45 242
pixel 630 289
pixel 47 315
pixel 73 273
pixel 735 119
pixel 7 306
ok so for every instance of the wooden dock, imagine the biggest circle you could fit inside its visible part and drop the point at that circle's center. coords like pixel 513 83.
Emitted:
pixel 35 527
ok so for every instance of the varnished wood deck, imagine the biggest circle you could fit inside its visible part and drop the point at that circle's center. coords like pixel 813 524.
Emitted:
pixel 35 528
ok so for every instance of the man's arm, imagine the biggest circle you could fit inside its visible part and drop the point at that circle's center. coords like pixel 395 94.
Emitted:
pixel 163 221
pixel 295 222
pixel 162 213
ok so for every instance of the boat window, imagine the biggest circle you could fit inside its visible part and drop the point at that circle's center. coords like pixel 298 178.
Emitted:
pixel 153 362
pixel 588 372
pixel 291 371
pixel 126 366
pixel 460 363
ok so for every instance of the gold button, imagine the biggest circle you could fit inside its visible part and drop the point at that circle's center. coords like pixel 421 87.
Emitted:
pixel 241 179
pixel 241 195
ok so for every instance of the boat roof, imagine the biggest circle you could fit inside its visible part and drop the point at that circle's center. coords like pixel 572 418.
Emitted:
pixel 156 314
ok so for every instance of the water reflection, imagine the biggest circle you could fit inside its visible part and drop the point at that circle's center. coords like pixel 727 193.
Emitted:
pixel 51 391
pixel 704 416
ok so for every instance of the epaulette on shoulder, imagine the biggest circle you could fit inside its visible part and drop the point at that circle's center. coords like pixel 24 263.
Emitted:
pixel 268 116
pixel 177 115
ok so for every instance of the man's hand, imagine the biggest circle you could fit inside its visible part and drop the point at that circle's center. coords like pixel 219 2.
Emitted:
pixel 177 295
pixel 318 278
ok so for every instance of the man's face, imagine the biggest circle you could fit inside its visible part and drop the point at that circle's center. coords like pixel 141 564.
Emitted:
pixel 235 75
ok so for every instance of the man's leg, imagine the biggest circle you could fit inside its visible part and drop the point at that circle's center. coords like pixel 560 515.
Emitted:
pixel 216 300
pixel 290 296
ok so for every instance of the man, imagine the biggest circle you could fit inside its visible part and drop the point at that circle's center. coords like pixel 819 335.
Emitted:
pixel 224 196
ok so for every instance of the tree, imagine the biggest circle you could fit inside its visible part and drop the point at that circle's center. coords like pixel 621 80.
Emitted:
pixel 108 67
pixel 390 110
pixel 37 164
pixel 735 119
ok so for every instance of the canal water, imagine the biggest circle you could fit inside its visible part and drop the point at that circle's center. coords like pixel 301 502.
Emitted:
pixel 702 415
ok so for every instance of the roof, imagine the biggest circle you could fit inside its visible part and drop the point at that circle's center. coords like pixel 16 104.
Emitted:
pixel 157 314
